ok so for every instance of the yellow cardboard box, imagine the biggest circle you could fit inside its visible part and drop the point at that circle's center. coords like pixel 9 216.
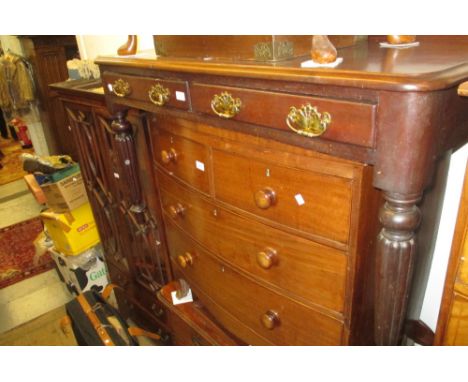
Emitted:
pixel 72 232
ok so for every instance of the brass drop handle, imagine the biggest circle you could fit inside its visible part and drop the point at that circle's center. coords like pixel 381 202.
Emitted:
pixel 121 88
pixel 463 89
pixel 176 211
pixel 307 120
pixel 267 258
pixel 270 320
pixel 158 94
pixel 265 198
pixel 185 259
pixel 225 105
pixel 168 156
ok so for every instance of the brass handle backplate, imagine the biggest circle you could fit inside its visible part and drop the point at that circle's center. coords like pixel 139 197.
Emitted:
pixel 308 121
pixel 225 106
pixel 270 320
pixel 158 94
pixel 121 88
pixel 463 89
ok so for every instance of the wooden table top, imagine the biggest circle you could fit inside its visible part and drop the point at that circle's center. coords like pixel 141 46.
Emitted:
pixel 438 62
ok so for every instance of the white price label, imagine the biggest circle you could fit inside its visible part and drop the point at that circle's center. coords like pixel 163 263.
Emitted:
pixel 110 87
pixel 299 199
pixel 200 165
pixel 183 300
pixel 116 175
pixel 180 96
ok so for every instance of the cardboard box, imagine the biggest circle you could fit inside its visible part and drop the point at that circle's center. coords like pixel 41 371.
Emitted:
pixel 83 272
pixel 72 232
pixel 65 190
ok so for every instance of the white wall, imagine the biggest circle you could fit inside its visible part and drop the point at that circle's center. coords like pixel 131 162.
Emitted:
pixel 92 46
pixel 434 290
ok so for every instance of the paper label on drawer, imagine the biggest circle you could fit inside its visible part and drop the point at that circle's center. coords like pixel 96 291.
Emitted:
pixel 180 96
pixel 183 300
pixel 116 175
pixel 200 165
pixel 299 199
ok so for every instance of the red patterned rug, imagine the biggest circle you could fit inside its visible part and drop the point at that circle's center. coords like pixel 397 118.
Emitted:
pixel 18 259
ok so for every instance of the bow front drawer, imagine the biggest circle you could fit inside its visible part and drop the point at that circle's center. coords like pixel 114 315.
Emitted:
pixel 337 120
pixel 269 315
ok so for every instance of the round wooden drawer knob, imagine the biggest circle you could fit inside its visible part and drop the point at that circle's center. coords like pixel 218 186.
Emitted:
pixel 270 320
pixel 265 198
pixel 185 259
pixel 168 156
pixel 267 258
pixel 176 211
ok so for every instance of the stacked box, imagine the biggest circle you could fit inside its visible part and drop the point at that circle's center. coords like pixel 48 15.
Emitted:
pixel 64 189
pixel 86 271
pixel 72 232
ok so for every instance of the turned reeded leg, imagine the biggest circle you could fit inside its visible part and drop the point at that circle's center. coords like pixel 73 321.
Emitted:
pixel 396 248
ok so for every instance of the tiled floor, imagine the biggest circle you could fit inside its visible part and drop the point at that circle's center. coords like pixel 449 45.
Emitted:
pixel 33 297
pixel 17 203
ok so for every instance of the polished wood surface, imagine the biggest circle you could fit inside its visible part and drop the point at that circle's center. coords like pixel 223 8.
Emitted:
pixel 439 62
pixel 308 209
pixel 249 301
pixel 352 122
pixel 140 88
pixel 302 267
pixel 419 117
pixel 189 323
pixel 189 161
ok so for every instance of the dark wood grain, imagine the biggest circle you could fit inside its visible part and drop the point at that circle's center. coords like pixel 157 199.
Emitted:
pixel 396 248
pixel 185 159
pixel 418 118
pixel 304 268
pixel 322 208
pixel 299 325
pixel 351 122
pixel 140 87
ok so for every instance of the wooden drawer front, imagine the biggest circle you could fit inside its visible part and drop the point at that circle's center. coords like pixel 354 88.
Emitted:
pixel 187 160
pixel 311 202
pixel 182 334
pixel 173 93
pixel 302 267
pixel 351 122
pixel 250 302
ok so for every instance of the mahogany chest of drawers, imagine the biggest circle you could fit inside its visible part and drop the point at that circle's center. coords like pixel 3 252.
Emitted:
pixel 288 198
